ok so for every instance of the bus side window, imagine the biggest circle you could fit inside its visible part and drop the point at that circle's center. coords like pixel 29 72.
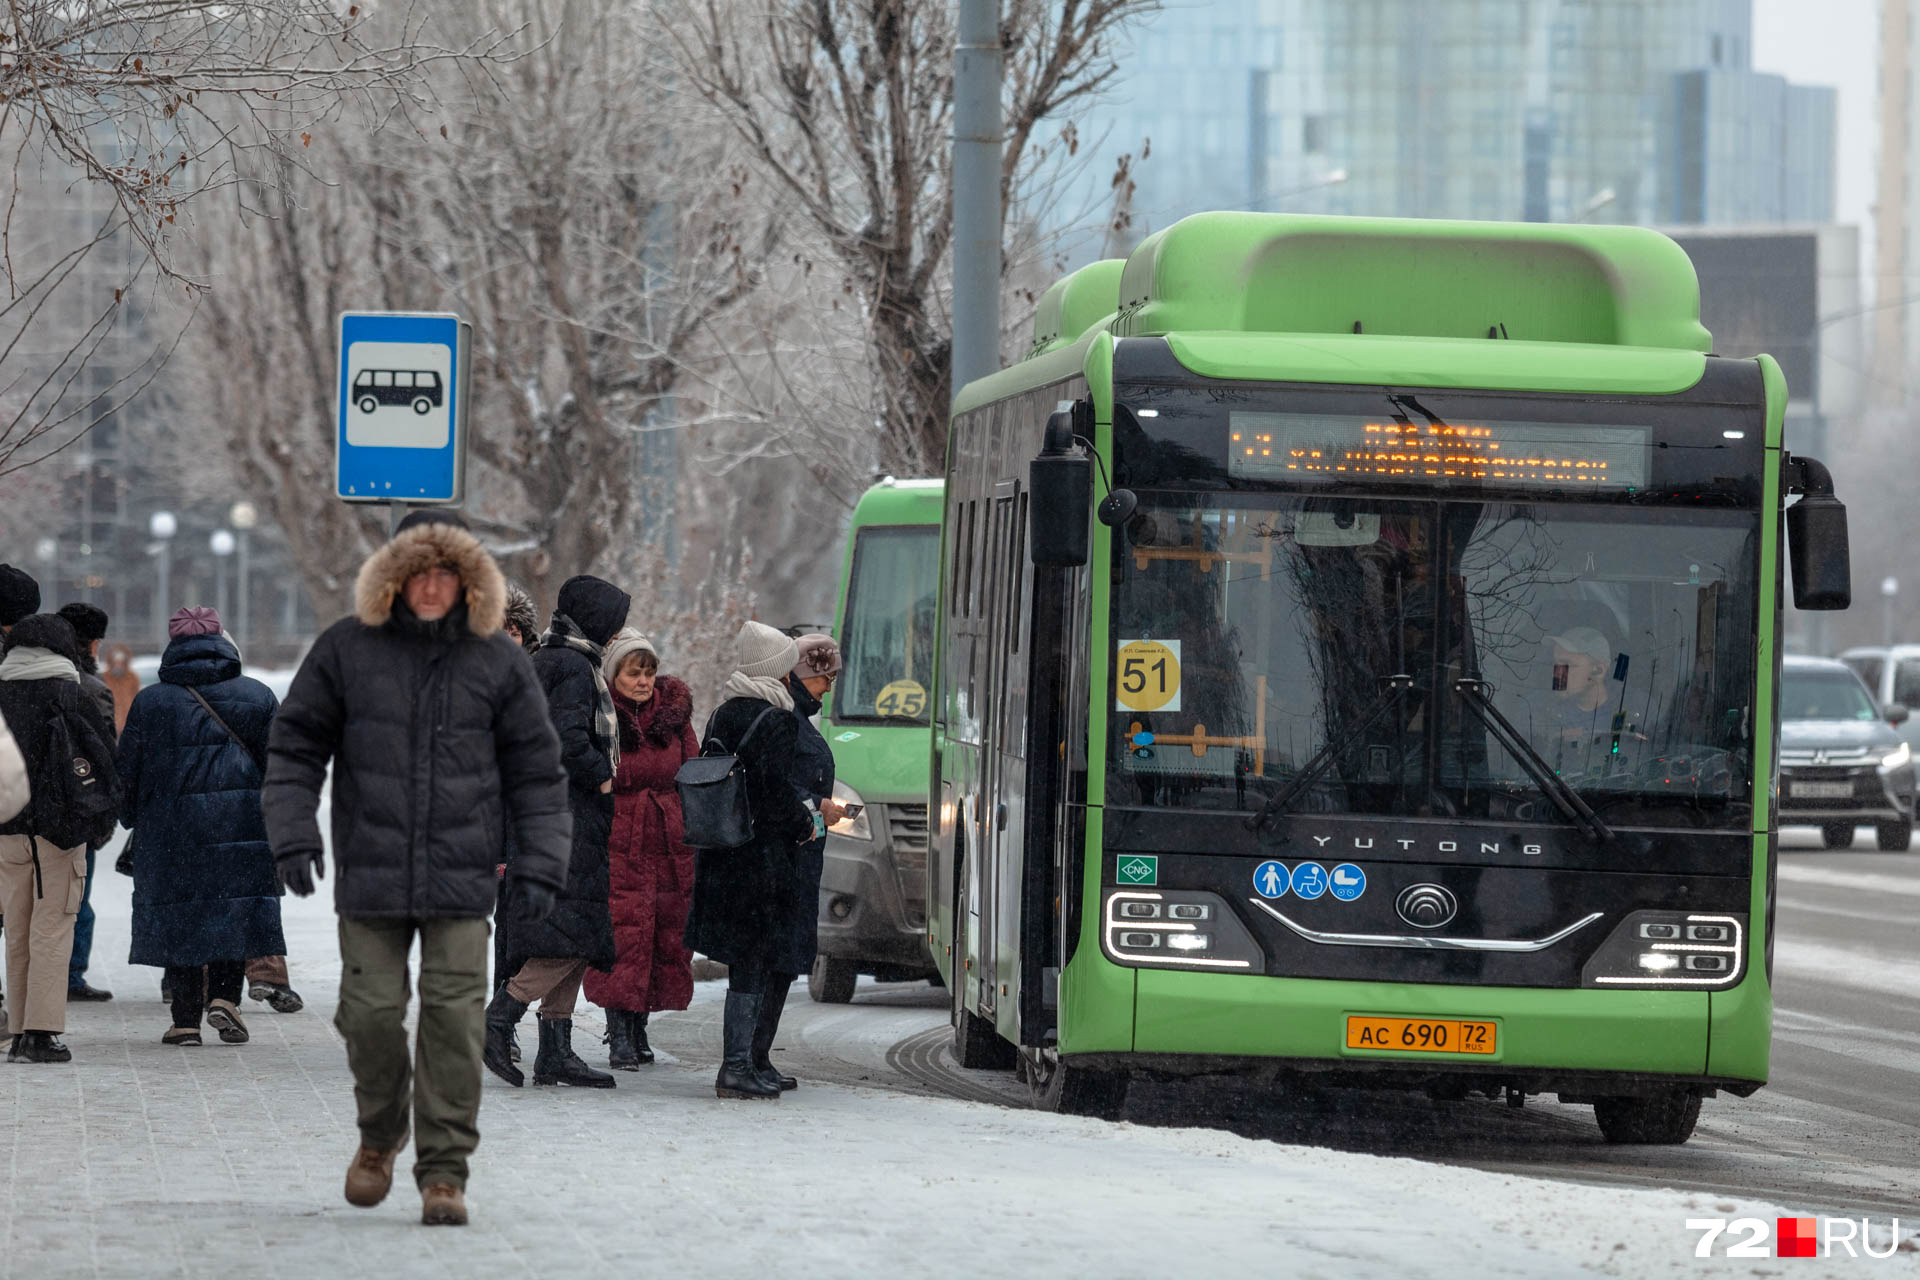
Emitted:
pixel 382 378
pixel 403 379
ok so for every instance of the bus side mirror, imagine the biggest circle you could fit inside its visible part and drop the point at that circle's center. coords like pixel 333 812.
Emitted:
pixel 1817 539
pixel 1060 497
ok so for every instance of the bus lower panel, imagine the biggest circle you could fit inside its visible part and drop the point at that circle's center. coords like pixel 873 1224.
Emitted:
pixel 1456 1080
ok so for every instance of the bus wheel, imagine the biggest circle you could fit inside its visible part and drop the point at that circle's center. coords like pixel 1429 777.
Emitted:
pixel 1893 837
pixel 421 404
pixel 1665 1119
pixel 1836 835
pixel 831 980
pixel 976 1045
pixel 1068 1090
pixel 368 404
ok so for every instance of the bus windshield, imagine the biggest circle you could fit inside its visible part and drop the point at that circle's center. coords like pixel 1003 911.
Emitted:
pixel 1251 632
pixel 886 641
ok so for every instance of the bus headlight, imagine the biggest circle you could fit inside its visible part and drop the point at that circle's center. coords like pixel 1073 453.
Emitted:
pixel 857 827
pixel 1678 950
pixel 1176 929
pixel 1902 754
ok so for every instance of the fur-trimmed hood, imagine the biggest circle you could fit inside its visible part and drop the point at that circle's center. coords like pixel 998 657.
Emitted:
pixel 661 718
pixel 418 549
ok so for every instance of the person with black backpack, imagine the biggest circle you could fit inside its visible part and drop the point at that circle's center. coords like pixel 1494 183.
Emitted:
pixel 192 763
pixel 68 748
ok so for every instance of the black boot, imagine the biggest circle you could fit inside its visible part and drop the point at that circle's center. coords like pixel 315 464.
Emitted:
pixel 637 1024
pixel 503 1013
pixel 621 1055
pixel 765 1028
pixel 737 1078
pixel 557 1063
pixel 38 1046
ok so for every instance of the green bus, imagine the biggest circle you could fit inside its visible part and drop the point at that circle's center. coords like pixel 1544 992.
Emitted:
pixel 1358 651
pixel 873 907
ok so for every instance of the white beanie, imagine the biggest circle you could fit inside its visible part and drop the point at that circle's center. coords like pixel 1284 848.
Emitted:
pixel 761 651
pixel 625 643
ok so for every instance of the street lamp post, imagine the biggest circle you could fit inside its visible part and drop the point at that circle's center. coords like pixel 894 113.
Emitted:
pixel 162 526
pixel 1332 178
pixel 220 542
pixel 243 516
pixel 1889 588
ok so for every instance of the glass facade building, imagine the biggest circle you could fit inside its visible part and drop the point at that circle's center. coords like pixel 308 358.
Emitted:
pixel 1547 110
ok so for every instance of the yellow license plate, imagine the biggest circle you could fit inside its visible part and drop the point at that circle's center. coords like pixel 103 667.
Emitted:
pixel 1420 1035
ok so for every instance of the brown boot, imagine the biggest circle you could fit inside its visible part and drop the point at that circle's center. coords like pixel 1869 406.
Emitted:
pixel 370 1176
pixel 443 1205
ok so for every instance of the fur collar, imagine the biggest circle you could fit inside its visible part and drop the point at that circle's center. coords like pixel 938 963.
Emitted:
pixel 661 718
pixel 418 549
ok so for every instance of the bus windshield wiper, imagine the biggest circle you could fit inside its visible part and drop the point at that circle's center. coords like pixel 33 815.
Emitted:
pixel 1391 687
pixel 1551 784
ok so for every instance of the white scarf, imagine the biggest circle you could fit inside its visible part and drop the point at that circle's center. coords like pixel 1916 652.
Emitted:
pixel 765 688
pixel 26 663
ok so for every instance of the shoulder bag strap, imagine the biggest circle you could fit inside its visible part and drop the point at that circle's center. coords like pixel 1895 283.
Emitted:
pixel 750 729
pixel 258 763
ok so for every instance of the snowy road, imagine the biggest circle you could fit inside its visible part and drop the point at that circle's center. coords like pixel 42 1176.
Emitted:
pixel 1836 1130
pixel 145 1160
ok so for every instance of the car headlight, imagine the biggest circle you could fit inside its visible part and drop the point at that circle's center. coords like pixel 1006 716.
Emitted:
pixel 857 827
pixel 1902 754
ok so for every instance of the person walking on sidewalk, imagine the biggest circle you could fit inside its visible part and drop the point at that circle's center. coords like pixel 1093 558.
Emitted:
pixel 120 677
pixel 796 934
pixel 19 597
pixel 89 623
pixel 68 748
pixel 522 625
pixel 192 762
pixel 439 738
pixel 578 934
pixel 651 871
pixel 739 894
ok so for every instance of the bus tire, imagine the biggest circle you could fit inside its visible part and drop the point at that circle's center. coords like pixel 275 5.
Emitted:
pixel 1067 1090
pixel 1665 1119
pixel 1893 837
pixel 976 1045
pixel 367 404
pixel 832 980
pixel 421 404
pixel 1836 835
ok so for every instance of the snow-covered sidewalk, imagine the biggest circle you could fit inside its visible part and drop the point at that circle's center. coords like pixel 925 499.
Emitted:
pixel 144 1160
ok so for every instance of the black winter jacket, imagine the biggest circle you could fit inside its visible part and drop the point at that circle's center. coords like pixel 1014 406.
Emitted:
pixel 26 704
pixel 740 895
pixel 438 737
pixel 581 925
pixel 796 937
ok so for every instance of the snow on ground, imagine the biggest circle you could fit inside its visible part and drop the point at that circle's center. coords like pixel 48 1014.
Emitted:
pixel 145 1160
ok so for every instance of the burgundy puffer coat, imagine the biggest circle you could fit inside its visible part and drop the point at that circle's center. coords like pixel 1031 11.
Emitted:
pixel 652 872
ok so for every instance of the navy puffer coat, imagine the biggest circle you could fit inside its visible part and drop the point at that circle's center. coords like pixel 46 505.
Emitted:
pixel 203 880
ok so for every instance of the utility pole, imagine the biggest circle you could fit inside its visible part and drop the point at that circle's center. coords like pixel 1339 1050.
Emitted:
pixel 976 192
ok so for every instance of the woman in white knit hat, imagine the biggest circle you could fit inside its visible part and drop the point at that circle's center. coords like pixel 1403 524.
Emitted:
pixel 737 893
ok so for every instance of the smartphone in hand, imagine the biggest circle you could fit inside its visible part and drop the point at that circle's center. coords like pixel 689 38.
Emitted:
pixel 851 811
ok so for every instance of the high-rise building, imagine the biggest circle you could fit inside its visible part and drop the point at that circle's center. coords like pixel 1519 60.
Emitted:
pixel 1546 110
pixel 1896 334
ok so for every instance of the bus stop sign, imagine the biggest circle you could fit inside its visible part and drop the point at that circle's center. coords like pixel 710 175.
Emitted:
pixel 402 386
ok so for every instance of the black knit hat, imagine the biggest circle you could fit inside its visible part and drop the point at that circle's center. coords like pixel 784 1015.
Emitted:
pixel 45 631
pixel 432 515
pixel 19 594
pixel 89 620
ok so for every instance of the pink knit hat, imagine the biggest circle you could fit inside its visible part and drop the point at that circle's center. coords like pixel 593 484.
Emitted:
pixel 819 656
pixel 200 621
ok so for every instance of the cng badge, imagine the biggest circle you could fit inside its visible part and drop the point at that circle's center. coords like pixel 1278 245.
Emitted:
pixel 1139 868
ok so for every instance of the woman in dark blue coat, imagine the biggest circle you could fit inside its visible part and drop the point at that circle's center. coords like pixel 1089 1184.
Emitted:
pixel 204 889
pixel 796 928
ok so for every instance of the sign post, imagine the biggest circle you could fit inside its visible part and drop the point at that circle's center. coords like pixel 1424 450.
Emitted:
pixel 402 384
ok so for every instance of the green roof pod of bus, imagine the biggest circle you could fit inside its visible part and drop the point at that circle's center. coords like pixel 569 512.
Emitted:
pixel 1075 304
pixel 1537 282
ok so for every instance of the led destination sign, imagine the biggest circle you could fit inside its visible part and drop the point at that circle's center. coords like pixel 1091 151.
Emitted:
pixel 1311 446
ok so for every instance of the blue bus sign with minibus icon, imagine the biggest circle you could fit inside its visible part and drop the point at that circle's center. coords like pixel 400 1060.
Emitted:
pixel 402 407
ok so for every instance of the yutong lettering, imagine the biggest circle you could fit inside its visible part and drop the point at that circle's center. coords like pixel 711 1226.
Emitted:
pixel 1436 846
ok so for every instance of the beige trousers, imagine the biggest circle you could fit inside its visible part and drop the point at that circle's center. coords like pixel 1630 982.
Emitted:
pixel 40 913
pixel 555 983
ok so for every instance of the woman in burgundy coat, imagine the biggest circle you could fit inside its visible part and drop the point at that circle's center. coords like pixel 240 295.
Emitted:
pixel 652 872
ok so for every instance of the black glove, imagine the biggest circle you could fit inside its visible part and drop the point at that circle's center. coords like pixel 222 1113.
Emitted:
pixel 299 872
pixel 532 900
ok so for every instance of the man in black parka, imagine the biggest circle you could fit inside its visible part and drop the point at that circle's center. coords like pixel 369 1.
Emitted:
pixel 439 737
pixel 556 952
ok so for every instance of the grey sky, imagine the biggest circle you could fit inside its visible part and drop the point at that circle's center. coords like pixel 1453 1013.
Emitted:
pixel 1832 42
